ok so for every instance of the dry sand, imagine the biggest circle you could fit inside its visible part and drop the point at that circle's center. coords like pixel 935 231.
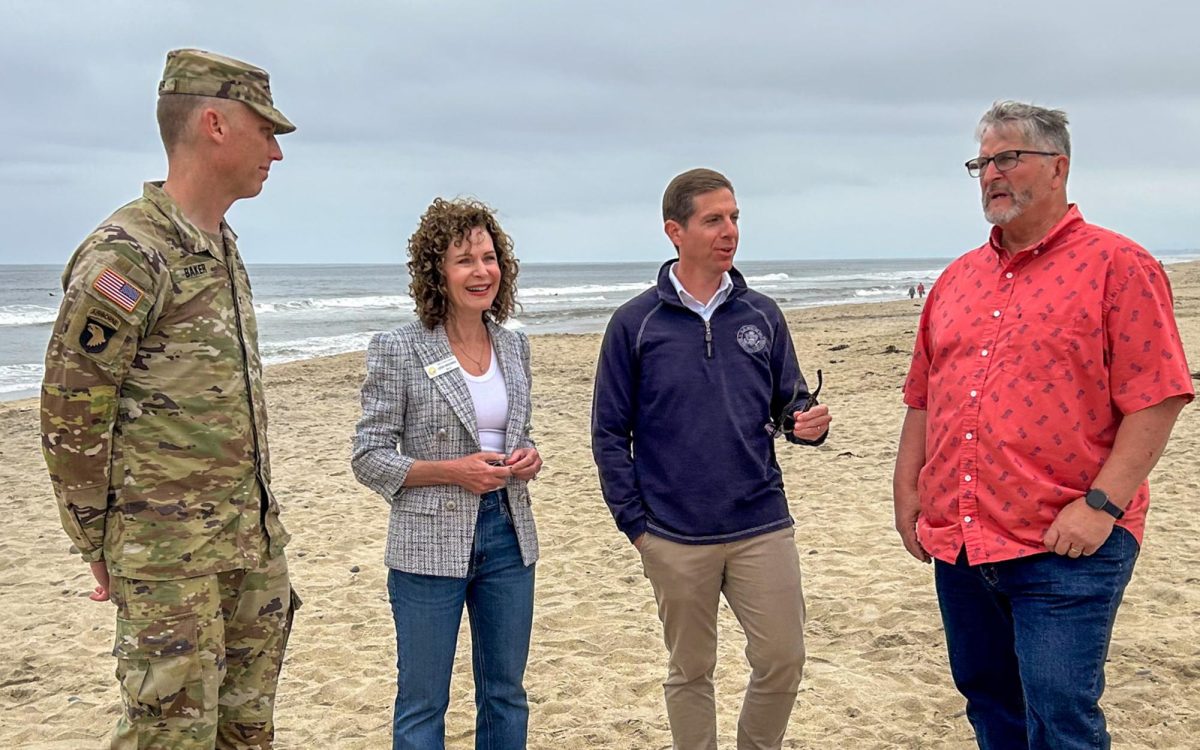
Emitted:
pixel 876 676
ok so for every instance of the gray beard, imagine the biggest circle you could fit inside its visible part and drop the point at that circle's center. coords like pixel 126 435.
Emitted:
pixel 1004 216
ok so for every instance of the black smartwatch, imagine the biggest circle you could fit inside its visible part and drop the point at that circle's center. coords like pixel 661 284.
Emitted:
pixel 1098 499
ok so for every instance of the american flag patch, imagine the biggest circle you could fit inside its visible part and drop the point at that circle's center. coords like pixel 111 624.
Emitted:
pixel 115 287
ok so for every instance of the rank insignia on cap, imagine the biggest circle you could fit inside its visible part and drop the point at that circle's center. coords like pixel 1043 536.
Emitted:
pixel 96 334
pixel 117 288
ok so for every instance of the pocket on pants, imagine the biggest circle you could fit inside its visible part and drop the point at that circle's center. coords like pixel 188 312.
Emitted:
pixel 642 551
pixel 290 621
pixel 158 667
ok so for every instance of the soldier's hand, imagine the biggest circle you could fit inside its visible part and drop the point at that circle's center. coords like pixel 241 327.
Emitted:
pixel 481 472
pixel 100 573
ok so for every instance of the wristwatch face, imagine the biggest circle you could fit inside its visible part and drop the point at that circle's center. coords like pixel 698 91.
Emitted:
pixel 1098 500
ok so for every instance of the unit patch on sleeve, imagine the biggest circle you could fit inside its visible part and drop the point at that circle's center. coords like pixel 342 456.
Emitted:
pixel 115 287
pixel 98 330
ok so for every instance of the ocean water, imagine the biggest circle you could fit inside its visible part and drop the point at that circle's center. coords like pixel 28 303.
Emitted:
pixel 316 310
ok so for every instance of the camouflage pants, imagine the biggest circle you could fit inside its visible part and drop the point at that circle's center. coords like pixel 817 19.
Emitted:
pixel 198 658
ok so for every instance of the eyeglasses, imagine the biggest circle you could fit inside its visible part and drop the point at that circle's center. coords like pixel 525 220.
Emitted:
pixel 786 422
pixel 1004 161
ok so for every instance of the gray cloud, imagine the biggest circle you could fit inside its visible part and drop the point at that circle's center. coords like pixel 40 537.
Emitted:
pixel 843 125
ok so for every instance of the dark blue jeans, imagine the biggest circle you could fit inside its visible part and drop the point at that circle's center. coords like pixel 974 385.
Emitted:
pixel 427 610
pixel 1028 639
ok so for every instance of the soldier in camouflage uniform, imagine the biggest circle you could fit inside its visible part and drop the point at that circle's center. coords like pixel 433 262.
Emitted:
pixel 154 426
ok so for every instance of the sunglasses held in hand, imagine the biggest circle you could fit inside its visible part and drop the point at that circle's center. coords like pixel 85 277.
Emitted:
pixel 786 422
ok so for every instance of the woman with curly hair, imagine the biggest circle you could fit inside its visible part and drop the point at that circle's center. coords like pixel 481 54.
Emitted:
pixel 444 438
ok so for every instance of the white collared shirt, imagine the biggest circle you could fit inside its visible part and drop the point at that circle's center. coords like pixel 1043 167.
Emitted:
pixel 704 310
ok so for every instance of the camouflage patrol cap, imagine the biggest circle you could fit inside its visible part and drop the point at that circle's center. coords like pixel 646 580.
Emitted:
pixel 200 73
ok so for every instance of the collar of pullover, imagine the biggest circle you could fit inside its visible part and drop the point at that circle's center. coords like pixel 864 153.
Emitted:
pixel 667 293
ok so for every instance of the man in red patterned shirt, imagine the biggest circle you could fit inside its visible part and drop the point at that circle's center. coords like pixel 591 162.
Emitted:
pixel 1046 378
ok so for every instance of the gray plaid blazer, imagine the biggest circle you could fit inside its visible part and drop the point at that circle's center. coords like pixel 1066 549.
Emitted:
pixel 410 416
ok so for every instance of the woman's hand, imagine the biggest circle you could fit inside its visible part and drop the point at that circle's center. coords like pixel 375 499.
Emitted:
pixel 477 474
pixel 525 463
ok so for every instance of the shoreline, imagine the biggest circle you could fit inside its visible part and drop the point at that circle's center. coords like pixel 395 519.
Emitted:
pixel 267 369
pixel 280 346
pixel 790 312
pixel 555 305
pixel 305 313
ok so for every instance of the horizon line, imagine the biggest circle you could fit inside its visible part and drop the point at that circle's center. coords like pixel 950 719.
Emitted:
pixel 1170 251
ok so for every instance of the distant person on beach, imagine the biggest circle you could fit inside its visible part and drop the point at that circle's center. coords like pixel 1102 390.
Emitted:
pixel 445 439
pixel 921 289
pixel 154 426
pixel 697 377
pixel 1046 378
pixel 912 292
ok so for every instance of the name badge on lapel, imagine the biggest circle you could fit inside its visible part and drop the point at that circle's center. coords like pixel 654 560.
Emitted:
pixel 441 367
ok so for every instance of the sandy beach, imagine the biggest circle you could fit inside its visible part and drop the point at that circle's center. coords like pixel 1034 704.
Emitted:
pixel 876 676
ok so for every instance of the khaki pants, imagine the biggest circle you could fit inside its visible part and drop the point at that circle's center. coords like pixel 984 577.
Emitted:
pixel 760 578
pixel 198 658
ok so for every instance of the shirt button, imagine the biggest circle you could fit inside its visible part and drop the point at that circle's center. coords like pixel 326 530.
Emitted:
pixel 1008 275
pixel 995 313
pixel 969 436
pixel 967 519
pixel 1035 252
pixel 974 394
pixel 983 353
pixel 451 505
pixel 966 477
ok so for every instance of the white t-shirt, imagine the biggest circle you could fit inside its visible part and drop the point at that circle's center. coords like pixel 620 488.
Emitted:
pixel 491 406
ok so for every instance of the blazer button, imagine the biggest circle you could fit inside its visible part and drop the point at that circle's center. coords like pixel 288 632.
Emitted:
pixel 528 429
pixel 441 433
pixel 451 505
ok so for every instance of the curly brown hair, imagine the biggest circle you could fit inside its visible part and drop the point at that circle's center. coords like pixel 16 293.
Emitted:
pixel 444 223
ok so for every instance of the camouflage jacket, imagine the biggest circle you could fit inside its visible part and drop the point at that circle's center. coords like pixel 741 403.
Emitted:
pixel 153 418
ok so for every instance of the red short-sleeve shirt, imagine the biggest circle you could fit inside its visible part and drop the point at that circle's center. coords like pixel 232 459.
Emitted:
pixel 1025 368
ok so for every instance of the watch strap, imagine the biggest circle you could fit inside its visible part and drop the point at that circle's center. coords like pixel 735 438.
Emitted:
pixel 1098 499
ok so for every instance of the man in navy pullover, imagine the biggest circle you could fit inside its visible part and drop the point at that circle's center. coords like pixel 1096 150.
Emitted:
pixel 696 378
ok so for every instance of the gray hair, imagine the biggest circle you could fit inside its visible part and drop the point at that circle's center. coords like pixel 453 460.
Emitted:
pixel 1041 127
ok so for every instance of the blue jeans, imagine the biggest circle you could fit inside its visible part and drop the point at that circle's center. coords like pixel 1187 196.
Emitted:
pixel 1028 639
pixel 427 610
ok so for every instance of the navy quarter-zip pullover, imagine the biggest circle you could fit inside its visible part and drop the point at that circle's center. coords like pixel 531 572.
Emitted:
pixel 680 411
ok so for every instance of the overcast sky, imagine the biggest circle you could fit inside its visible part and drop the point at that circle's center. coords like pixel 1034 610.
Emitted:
pixel 843 125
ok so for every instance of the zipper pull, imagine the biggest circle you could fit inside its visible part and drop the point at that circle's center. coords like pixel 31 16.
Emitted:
pixel 708 338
